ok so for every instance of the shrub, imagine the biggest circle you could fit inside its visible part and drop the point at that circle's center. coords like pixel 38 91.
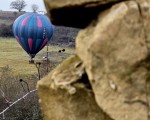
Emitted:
pixel 27 108
pixel 6 30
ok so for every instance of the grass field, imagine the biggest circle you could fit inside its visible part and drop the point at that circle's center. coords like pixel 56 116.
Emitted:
pixel 6 22
pixel 12 55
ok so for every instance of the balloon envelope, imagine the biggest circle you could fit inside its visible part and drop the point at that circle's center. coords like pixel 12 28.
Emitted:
pixel 33 31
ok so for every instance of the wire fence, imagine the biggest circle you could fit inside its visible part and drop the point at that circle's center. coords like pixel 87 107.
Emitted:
pixel 10 104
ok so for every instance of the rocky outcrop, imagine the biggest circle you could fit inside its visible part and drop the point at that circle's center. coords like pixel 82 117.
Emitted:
pixel 76 13
pixel 116 58
pixel 113 51
pixel 67 95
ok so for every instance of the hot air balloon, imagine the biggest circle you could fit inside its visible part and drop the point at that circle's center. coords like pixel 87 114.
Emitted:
pixel 32 32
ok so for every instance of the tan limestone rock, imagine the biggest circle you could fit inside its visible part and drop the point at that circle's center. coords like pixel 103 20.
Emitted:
pixel 65 96
pixel 76 13
pixel 115 53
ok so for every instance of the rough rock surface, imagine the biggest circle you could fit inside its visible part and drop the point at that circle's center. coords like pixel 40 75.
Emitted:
pixel 66 94
pixel 76 13
pixel 114 51
pixel 116 59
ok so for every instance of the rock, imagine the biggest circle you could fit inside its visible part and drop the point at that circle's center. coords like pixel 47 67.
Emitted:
pixel 76 13
pixel 115 52
pixel 66 95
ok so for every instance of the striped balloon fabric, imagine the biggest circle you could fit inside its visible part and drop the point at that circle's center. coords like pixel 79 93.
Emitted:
pixel 32 32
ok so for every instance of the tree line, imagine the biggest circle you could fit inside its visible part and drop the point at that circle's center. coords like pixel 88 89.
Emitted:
pixel 21 4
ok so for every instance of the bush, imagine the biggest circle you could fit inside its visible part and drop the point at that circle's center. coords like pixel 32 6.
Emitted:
pixel 27 108
pixel 6 30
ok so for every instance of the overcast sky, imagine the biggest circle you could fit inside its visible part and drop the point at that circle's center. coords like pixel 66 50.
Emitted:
pixel 5 5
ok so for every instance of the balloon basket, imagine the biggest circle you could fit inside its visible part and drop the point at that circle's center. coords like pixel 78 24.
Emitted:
pixel 31 61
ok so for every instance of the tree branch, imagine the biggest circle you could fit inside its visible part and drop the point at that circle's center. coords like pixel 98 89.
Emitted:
pixel 13 103
pixel 3 95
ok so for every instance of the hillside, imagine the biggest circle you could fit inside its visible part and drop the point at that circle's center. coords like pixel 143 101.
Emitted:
pixel 63 36
pixel 7 17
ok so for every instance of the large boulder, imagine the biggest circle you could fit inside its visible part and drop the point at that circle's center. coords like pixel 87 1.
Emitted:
pixel 112 65
pixel 67 95
pixel 115 53
pixel 76 13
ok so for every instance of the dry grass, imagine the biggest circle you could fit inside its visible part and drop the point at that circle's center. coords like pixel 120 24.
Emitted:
pixel 12 55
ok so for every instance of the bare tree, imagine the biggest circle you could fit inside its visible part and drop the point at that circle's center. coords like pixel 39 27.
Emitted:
pixel 18 5
pixel 35 8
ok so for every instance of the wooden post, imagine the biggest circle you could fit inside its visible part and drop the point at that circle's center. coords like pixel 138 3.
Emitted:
pixel 47 58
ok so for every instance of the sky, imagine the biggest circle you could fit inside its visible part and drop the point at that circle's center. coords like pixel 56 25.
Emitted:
pixel 5 5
